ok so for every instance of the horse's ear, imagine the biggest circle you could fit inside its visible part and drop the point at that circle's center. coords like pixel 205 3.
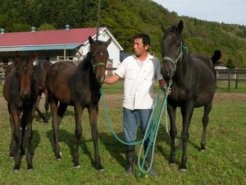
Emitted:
pixel 180 26
pixel 91 41
pixel 108 41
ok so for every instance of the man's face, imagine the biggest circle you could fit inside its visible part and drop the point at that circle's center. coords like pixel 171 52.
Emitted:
pixel 139 48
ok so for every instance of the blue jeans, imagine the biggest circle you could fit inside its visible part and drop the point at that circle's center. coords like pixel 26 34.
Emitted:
pixel 131 119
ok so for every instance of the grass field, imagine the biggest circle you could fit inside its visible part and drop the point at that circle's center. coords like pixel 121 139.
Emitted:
pixel 224 162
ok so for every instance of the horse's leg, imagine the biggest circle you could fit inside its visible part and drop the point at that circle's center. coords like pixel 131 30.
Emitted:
pixel 27 137
pixel 23 129
pixel 93 113
pixel 205 120
pixel 46 106
pixel 173 132
pixel 41 115
pixel 59 114
pixel 17 137
pixel 55 126
pixel 60 111
pixel 12 146
pixel 186 111
pixel 77 134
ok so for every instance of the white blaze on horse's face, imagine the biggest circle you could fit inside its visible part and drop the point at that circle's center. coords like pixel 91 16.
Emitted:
pixel 100 65
pixel 24 69
pixel 99 58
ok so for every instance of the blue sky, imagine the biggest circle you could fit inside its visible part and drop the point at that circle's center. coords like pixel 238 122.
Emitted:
pixel 226 11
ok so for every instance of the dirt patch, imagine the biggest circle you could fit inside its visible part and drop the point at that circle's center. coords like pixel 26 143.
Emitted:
pixel 222 97
pixel 115 100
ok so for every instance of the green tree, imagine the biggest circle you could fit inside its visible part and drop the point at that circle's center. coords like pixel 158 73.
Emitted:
pixel 230 64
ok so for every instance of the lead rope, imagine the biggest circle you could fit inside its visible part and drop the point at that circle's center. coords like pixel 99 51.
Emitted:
pixel 151 130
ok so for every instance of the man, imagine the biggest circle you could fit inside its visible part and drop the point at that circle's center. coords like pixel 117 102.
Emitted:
pixel 139 72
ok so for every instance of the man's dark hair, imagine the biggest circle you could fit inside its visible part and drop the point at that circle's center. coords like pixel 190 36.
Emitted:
pixel 144 37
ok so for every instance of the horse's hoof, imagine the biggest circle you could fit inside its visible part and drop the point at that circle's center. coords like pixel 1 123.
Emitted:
pixel 182 170
pixel 76 166
pixel 98 166
pixel 203 150
pixel 101 170
pixel 16 170
pixel 59 156
pixel 172 165
pixel 30 169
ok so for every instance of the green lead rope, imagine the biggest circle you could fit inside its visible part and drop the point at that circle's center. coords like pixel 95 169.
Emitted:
pixel 151 130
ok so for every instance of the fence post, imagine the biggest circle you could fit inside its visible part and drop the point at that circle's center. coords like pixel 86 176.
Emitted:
pixel 229 80
pixel 236 80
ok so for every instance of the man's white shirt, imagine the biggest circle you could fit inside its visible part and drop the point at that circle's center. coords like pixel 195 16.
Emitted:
pixel 139 78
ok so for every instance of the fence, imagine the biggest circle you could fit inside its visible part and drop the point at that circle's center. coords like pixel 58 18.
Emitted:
pixel 231 75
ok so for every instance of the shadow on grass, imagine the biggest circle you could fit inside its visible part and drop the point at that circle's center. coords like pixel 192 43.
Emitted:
pixel 69 139
pixel 164 136
pixel 39 119
pixel 114 147
pixel 35 140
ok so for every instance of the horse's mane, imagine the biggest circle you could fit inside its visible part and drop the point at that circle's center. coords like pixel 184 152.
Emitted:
pixel 86 60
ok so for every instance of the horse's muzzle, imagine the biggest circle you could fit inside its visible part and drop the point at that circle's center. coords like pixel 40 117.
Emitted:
pixel 100 78
pixel 25 94
pixel 166 74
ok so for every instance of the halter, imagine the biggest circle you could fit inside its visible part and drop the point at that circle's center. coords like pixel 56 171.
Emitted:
pixel 98 64
pixel 174 62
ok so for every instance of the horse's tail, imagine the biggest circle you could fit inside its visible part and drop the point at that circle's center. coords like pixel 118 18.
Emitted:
pixel 216 56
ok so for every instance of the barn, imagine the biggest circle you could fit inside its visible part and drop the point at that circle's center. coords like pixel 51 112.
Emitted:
pixel 64 44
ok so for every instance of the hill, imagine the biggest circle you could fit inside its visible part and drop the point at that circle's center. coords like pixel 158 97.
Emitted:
pixel 124 18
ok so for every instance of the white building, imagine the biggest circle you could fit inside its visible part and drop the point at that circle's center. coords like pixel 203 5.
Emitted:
pixel 65 44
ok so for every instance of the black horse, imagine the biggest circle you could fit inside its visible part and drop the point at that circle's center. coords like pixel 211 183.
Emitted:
pixel 79 86
pixel 20 92
pixel 40 71
pixel 193 85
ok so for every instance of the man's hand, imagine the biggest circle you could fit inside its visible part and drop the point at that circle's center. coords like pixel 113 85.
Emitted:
pixel 163 85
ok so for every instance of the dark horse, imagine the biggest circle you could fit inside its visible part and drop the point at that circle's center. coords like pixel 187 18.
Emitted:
pixel 68 84
pixel 20 92
pixel 193 85
pixel 40 71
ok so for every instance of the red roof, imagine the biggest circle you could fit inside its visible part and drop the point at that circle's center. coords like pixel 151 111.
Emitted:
pixel 56 37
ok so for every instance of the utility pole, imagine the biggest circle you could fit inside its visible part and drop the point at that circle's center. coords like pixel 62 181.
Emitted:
pixel 98 18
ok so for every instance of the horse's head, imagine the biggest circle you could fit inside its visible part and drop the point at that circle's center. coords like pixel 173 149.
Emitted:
pixel 172 50
pixel 99 57
pixel 24 72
